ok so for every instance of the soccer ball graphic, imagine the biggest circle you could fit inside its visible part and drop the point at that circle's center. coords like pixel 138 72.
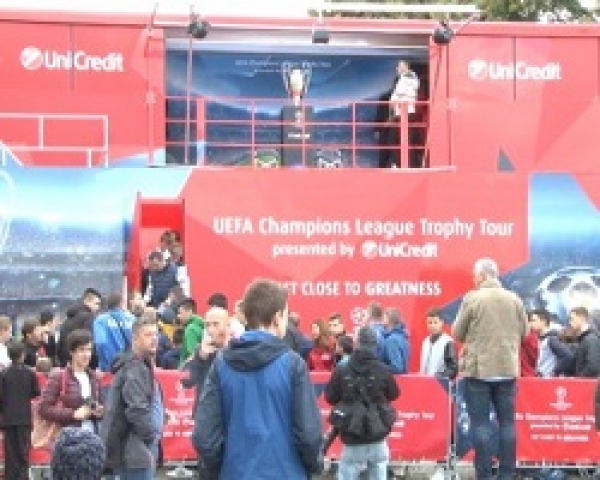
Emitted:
pixel 568 288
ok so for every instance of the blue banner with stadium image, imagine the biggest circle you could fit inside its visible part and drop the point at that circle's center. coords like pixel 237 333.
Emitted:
pixel 229 81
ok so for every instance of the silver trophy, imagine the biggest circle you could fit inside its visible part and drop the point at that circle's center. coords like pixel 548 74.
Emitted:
pixel 296 80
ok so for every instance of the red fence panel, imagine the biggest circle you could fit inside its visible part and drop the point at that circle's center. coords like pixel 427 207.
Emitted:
pixel 555 421
pixel 178 403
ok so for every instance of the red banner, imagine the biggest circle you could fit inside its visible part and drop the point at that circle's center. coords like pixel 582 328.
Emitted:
pixel 422 429
pixel 555 421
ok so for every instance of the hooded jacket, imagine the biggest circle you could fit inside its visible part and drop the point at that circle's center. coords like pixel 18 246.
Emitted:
pixel 363 362
pixel 258 415
pixel 396 349
pixel 127 428
pixel 112 335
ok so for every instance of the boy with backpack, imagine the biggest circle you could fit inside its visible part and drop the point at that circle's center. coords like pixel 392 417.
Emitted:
pixel 361 392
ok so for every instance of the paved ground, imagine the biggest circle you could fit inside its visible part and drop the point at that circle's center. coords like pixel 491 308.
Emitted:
pixel 424 472
pixel 415 471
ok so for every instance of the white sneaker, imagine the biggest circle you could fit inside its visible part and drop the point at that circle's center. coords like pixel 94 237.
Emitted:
pixel 180 472
pixel 439 474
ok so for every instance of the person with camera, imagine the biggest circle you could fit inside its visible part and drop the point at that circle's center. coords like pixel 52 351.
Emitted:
pixel 72 397
pixel 360 393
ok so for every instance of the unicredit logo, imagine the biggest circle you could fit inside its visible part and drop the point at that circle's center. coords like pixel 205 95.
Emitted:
pixel 485 70
pixel 32 58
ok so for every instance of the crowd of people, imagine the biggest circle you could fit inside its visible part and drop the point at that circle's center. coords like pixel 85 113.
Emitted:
pixel 256 413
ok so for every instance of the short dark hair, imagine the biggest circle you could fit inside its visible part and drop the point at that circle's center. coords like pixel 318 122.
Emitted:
pixel 114 301
pixel 541 313
pixel 346 344
pixel 78 338
pixel 91 292
pixel 218 299
pixel 16 350
pixel 581 312
pixel 46 316
pixel 188 303
pixel 29 326
pixel 335 316
pixel 262 300
pixel 375 310
pixel 178 336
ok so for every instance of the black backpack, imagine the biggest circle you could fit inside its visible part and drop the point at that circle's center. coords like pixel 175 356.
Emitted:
pixel 363 418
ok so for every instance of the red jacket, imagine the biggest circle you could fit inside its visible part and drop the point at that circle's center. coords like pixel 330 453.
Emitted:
pixel 321 359
pixel 530 346
pixel 70 397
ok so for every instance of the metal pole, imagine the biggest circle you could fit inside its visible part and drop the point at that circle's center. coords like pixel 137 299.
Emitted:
pixel 188 95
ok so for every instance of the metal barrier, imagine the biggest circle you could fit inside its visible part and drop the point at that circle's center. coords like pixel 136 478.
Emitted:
pixel 330 134
pixel 555 423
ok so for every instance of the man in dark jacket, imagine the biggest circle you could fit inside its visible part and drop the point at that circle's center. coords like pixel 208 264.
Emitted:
pixel 80 315
pixel 161 279
pixel 215 338
pixel 587 354
pixel 359 450
pixel 258 415
pixel 133 422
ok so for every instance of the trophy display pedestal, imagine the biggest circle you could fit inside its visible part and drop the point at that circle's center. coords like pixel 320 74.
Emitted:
pixel 296 133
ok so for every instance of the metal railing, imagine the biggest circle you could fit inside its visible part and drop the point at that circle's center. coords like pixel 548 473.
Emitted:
pixel 20 144
pixel 328 134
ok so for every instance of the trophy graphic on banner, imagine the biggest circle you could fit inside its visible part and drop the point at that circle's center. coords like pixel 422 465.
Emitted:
pixel 296 118
pixel 296 80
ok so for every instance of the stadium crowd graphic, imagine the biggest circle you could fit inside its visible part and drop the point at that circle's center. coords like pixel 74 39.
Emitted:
pixel 160 326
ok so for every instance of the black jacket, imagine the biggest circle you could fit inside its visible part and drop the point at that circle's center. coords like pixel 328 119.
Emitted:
pixel 18 385
pixel 362 362
pixel 587 355
pixel 79 316
pixel 162 282
pixel 198 368
pixel 127 428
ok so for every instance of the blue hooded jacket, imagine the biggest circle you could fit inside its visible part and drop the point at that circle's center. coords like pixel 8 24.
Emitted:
pixel 112 335
pixel 258 415
pixel 396 349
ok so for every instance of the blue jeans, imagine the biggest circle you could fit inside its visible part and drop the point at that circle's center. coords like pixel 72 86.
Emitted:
pixel 373 457
pixel 139 473
pixel 136 474
pixel 479 397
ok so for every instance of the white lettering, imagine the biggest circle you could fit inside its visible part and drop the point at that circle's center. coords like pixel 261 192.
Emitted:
pixel 483 69
pixel 32 58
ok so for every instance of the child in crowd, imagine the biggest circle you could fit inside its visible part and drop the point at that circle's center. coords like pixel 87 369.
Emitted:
pixel 18 386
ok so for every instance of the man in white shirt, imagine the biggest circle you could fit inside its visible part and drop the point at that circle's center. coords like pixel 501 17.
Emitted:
pixel 402 107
